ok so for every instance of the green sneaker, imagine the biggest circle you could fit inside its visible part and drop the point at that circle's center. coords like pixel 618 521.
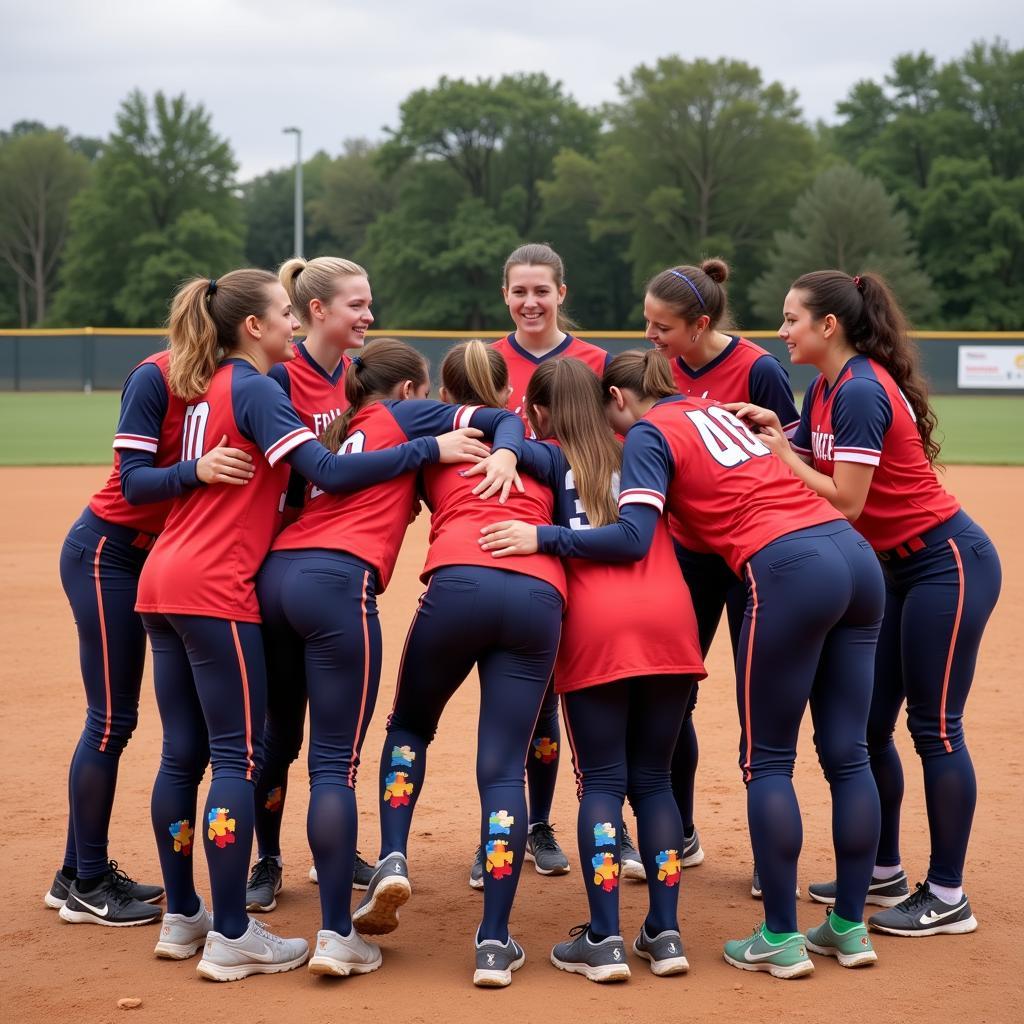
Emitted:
pixel 787 959
pixel 851 949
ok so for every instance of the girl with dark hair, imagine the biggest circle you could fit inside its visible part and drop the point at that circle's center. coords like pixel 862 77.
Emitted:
pixel 865 442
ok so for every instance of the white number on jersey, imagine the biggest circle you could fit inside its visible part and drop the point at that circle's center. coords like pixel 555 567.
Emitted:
pixel 350 446
pixel 193 439
pixel 728 439
pixel 580 520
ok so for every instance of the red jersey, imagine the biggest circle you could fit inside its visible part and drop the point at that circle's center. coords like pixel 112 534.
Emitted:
pixel 457 516
pixel 864 417
pixel 215 538
pixel 151 421
pixel 713 473
pixel 318 396
pixel 521 365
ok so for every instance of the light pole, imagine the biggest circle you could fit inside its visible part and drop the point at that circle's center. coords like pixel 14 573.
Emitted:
pixel 297 132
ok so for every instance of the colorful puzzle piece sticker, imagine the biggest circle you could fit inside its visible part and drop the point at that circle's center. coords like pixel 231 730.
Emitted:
pixel 397 789
pixel 499 858
pixel 606 871
pixel 670 867
pixel 275 798
pixel 545 749
pixel 402 756
pixel 221 828
pixel 500 823
pixel 604 834
pixel 181 833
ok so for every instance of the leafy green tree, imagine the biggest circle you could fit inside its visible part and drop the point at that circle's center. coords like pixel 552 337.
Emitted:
pixel 845 221
pixel 162 163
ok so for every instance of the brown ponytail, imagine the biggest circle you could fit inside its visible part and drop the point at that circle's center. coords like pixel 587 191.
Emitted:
pixel 540 254
pixel 475 374
pixel 571 393
pixel 876 326
pixel 372 375
pixel 691 292
pixel 203 325
pixel 645 373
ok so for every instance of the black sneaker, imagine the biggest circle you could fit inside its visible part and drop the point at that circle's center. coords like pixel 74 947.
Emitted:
pixel 362 874
pixel 630 864
pixel 692 853
pixel 597 961
pixel 264 884
pixel 137 890
pixel 923 913
pixel 883 892
pixel 476 872
pixel 543 849
pixel 109 904
pixel 58 892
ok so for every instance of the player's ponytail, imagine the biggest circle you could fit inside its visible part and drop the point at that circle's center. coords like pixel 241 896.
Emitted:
pixel 475 374
pixel 203 325
pixel 874 324
pixel 314 279
pixel 645 373
pixel 571 393
pixel 373 375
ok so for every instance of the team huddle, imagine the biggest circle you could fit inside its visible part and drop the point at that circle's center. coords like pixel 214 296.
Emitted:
pixel 260 495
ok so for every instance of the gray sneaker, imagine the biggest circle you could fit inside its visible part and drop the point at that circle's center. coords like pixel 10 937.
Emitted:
pixel 389 888
pixel 256 951
pixel 755 885
pixel 181 936
pixel 342 955
pixel 543 849
pixel 923 913
pixel 476 872
pixel 264 884
pixel 596 961
pixel 692 854
pixel 495 962
pixel 883 892
pixel 664 951
pixel 630 864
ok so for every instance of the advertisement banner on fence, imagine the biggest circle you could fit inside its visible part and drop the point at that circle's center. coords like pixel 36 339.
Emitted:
pixel 990 366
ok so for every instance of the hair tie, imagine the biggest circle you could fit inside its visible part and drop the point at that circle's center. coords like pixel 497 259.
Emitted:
pixel 856 282
pixel 357 361
pixel 693 287
pixel 211 288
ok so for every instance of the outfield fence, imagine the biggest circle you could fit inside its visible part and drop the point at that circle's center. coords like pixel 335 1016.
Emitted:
pixel 99 358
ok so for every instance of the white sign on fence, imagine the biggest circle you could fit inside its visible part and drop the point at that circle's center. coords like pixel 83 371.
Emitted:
pixel 990 366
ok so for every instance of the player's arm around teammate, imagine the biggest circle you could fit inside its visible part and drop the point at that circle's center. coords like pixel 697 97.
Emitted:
pixel 197 597
pixel 624 689
pixel 100 564
pixel 318 595
pixel 814 605
pixel 865 443
pixel 473 613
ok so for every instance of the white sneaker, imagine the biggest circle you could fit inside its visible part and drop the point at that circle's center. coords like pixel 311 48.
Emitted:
pixel 181 936
pixel 313 876
pixel 344 954
pixel 257 951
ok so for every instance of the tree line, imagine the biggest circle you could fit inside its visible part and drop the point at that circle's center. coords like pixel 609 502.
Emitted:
pixel 921 177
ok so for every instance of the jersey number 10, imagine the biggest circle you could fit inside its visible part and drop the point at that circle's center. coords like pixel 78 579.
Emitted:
pixel 193 438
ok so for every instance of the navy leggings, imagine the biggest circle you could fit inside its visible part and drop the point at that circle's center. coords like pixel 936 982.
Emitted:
pixel 542 764
pixel 508 625
pixel 937 604
pixel 622 736
pixel 814 606
pixel 211 691
pixel 100 564
pixel 322 606
pixel 713 586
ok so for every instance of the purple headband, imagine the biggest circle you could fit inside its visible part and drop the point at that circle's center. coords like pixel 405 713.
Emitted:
pixel 693 287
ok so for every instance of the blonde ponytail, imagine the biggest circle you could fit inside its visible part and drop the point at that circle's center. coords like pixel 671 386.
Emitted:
pixel 314 279
pixel 475 374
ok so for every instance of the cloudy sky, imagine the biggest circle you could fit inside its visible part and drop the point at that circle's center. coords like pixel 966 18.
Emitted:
pixel 340 68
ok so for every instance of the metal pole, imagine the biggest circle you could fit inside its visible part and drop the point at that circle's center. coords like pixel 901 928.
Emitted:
pixel 297 132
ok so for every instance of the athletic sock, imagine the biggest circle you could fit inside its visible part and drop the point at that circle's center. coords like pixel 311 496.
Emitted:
pixel 840 925
pixel 948 894
pixel 68 874
pixel 776 938
pixel 88 884
pixel 885 871
pixel 595 936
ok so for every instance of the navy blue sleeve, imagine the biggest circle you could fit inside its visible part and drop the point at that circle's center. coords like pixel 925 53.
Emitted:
pixel 143 484
pixel 421 417
pixel 281 375
pixel 544 462
pixel 800 441
pixel 861 415
pixel 770 388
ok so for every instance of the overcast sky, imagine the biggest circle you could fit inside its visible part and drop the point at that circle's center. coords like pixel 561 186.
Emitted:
pixel 340 68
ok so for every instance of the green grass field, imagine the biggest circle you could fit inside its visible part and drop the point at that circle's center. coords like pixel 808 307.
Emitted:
pixel 72 429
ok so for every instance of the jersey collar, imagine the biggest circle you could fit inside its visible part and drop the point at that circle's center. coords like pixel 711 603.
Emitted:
pixel 847 371
pixel 670 398
pixel 708 367
pixel 553 354
pixel 332 378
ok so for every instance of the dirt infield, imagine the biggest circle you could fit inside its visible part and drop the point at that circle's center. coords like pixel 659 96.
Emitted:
pixel 59 972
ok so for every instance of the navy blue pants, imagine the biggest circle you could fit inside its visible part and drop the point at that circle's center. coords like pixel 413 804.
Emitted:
pixel 542 764
pixel 508 625
pixel 100 564
pixel 323 605
pixel 938 602
pixel 713 586
pixel 814 607
pixel 211 691
pixel 622 736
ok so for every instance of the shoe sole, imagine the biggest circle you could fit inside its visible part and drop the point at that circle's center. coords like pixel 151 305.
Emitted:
pixel 663 968
pixel 380 915
pixel 84 917
pixel 775 970
pixel 548 871
pixel 53 902
pixel 756 893
pixel 877 901
pixel 862 959
pixel 215 972
pixel 326 965
pixel 476 883
pixel 634 869
pixel 956 928
pixel 178 950
pixel 313 876
pixel 603 974
pixel 693 859
pixel 497 979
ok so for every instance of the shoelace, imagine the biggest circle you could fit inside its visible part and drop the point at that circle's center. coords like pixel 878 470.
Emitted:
pixel 578 930
pixel 119 883
pixel 544 837
pixel 917 899
pixel 261 873
pixel 264 933
pixel 479 855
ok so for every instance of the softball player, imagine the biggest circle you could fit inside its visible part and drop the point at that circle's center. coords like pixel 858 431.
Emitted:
pixel 506 621
pixel 814 606
pixel 685 308
pixel 624 690
pixel 331 297
pixel 197 597
pixel 865 443
pixel 317 592
pixel 100 564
